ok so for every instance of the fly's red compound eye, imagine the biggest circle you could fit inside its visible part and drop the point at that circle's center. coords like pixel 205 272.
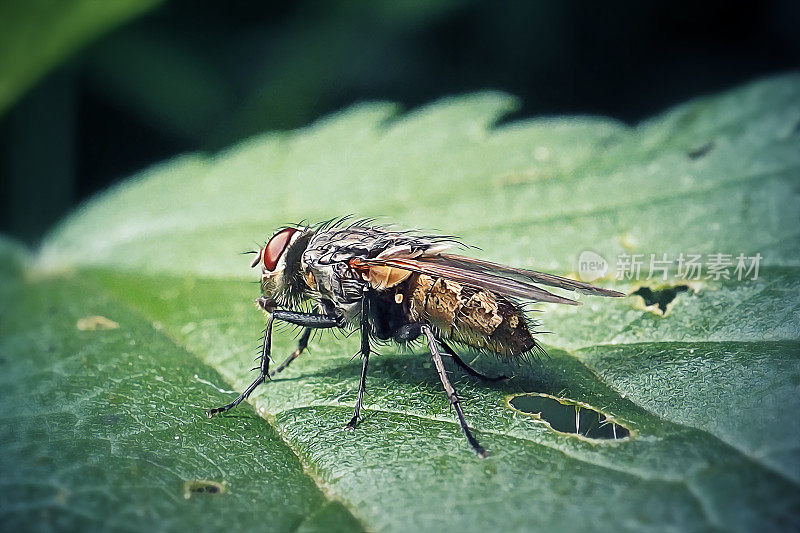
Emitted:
pixel 275 247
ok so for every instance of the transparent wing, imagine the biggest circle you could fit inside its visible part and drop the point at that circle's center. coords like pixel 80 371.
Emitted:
pixel 482 280
pixel 468 263
pixel 514 282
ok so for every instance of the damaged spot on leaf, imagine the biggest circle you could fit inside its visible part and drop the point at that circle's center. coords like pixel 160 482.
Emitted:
pixel 660 297
pixel 701 151
pixel 96 322
pixel 569 416
pixel 203 486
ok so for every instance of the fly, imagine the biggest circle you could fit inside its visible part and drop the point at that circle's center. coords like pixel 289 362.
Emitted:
pixel 399 286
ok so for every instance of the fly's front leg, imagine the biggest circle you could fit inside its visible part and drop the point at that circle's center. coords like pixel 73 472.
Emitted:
pixel 365 361
pixel 309 320
pixel 262 375
pixel 433 346
pixel 301 345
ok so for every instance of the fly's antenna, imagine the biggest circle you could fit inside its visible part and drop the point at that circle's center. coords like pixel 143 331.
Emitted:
pixel 258 247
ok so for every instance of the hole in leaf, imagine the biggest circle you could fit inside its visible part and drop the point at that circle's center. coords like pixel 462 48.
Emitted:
pixel 569 416
pixel 661 297
pixel 700 151
pixel 202 486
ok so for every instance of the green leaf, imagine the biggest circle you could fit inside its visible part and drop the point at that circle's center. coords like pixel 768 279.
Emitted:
pixel 37 35
pixel 708 390
pixel 100 428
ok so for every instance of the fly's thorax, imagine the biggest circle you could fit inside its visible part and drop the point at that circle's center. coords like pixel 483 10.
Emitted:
pixel 479 318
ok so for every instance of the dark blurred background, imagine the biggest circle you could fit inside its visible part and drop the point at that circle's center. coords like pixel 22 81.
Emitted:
pixel 201 75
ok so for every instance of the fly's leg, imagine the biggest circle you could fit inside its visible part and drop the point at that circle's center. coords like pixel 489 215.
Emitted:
pixel 301 345
pixel 409 332
pixel 466 368
pixel 433 346
pixel 362 385
pixel 365 359
pixel 263 372
pixel 309 320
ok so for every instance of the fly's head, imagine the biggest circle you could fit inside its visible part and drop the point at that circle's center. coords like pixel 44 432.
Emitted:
pixel 281 268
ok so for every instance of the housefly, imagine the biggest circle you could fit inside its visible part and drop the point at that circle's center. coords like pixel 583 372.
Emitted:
pixel 396 285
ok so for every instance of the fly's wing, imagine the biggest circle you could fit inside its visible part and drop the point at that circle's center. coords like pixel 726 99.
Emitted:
pixel 515 282
pixel 468 263
pixel 479 279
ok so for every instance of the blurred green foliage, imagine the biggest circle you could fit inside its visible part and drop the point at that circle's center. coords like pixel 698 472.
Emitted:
pixel 37 35
pixel 194 75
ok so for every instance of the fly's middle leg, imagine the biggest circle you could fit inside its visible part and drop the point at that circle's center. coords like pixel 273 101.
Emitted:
pixel 365 359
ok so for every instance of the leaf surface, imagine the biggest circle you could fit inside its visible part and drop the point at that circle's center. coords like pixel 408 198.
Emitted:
pixel 708 390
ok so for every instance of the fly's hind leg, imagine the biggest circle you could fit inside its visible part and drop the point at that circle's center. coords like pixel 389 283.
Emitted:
pixel 409 332
pixel 466 368
pixel 433 346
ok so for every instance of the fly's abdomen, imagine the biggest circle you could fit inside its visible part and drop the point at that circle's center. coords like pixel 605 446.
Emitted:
pixel 476 317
